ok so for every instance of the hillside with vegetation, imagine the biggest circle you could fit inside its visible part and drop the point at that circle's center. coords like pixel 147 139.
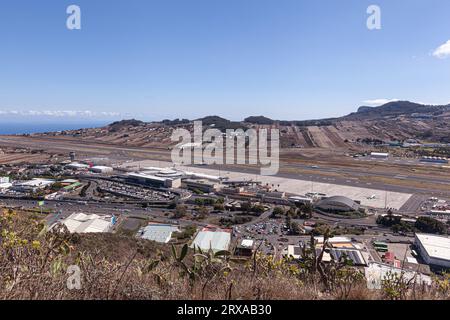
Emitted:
pixel 37 263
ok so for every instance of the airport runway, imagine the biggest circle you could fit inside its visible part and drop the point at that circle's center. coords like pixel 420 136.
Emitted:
pixel 436 185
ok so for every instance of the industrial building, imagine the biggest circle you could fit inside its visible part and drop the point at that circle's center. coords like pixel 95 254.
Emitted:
pixel 4 180
pixel 301 200
pixel 335 241
pixel 433 249
pixel 337 247
pixel 101 169
pixel 32 185
pixel 161 233
pixel 245 248
pixel 376 272
pixel 212 239
pixel 5 186
pixel 355 256
pixel 83 223
pixel 294 252
pixel 435 160
pixel 338 204
pixel 153 180
pixel 77 166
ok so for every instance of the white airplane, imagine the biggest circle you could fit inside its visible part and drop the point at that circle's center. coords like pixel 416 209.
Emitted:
pixel 372 197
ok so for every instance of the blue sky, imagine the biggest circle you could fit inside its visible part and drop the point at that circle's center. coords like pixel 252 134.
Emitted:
pixel 155 59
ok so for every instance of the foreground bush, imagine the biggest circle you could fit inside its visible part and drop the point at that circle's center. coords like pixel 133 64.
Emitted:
pixel 36 263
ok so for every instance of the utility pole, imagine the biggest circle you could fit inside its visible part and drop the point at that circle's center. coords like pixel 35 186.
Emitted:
pixel 385 199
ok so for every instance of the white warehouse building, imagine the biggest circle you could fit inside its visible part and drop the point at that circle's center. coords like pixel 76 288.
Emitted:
pixel 434 250
pixel 379 155
pixel 88 223
pixel 215 240
pixel 101 169
pixel 32 185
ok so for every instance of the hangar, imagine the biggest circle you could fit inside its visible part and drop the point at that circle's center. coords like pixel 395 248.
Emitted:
pixel 338 203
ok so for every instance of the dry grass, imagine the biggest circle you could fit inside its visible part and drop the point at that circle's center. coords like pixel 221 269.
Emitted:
pixel 34 264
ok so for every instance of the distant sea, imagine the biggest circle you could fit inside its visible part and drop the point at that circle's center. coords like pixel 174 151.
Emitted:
pixel 30 127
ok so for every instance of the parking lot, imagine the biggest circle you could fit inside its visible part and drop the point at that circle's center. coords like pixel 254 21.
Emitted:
pixel 134 192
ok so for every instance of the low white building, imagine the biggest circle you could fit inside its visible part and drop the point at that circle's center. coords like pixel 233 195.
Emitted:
pixel 87 223
pixel 5 186
pixel 294 252
pixel 301 200
pixel 101 169
pixel 216 240
pixel 4 180
pixel 153 180
pixel 321 239
pixel 77 166
pixel 161 233
pixel 377 272
pixel 379 155
pixel 32 185
pixel 434 250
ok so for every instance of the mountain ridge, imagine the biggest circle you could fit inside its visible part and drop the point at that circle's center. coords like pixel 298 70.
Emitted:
pixel 391 122
pixel 394 108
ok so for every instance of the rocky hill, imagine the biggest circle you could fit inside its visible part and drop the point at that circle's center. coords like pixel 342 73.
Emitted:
pixel 399 108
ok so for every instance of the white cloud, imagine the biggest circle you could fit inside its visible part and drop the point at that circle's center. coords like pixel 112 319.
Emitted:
pixel 379 102
pixel 58 113
pixel 443 51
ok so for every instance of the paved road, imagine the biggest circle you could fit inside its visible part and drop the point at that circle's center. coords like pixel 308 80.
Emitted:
pixel 263 217
pixel 66 208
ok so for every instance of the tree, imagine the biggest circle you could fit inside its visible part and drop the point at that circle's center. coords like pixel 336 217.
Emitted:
pixel 219 207
pixel 258 209
pixel 295 228
pixel 246 206
pixel 56 186
pixel 180 211
pixel 278 211
pixel 203 212
pixel 172 205
pixel 430 225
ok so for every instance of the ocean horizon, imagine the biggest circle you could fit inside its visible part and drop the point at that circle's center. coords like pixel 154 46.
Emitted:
pixel 11 128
